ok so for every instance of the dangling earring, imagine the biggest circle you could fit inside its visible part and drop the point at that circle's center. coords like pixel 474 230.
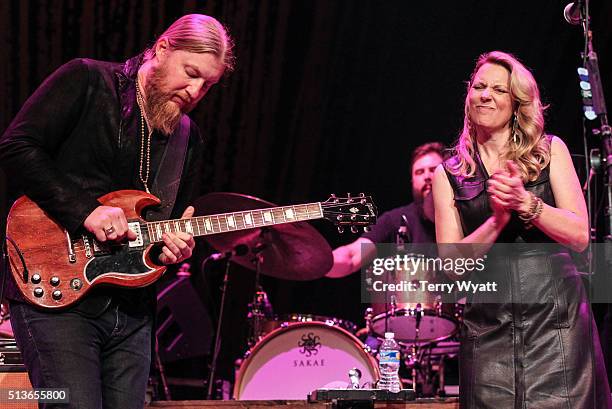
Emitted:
pixel 514 125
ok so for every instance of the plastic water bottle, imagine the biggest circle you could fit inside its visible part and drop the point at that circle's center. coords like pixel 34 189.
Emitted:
pixel 389 363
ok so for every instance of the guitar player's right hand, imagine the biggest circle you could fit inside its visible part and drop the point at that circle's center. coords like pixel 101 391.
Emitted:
pixel 108 223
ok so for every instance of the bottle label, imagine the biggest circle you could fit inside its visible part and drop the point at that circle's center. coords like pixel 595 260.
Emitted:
pixel 389 356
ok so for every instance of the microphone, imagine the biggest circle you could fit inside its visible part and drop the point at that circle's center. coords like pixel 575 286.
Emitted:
pixel 573 12
pixel 239 250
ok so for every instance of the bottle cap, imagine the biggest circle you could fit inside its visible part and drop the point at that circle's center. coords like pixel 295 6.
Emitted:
pixel 389 335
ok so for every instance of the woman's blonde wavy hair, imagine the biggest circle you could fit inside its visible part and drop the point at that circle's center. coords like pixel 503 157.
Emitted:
pixel 528 147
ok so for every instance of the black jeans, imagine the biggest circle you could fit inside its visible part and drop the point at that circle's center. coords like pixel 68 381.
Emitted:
pixel 103 361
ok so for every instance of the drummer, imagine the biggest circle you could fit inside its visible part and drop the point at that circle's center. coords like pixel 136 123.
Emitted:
pixel 419 221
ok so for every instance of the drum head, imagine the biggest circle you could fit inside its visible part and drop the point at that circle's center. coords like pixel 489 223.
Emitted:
pixel 433 326
pixel 291 362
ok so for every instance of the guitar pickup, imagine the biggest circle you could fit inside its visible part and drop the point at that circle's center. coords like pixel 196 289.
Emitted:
pixel 138 242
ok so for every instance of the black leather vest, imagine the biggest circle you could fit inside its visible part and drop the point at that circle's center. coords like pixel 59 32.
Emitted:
pixel 472 202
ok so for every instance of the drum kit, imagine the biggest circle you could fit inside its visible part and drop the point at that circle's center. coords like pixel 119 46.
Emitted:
pixel 289 356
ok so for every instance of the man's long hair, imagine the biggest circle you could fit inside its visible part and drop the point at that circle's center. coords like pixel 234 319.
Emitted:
pixel 198 33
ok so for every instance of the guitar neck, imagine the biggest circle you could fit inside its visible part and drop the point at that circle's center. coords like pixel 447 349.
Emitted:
pixel 234 221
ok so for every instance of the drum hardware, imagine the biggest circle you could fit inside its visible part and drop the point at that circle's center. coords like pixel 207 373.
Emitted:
pixel 273 321
pixel 426 364
pixel 260 308
pixel 354 376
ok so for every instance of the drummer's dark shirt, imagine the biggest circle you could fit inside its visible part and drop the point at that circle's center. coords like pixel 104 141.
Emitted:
pixel 420 230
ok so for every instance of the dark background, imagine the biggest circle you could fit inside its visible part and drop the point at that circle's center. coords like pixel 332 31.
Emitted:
pixel 327 96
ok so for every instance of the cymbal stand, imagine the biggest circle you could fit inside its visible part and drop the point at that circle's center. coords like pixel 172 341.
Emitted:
pixel 413 360
pixel 217 348
pixel 260 308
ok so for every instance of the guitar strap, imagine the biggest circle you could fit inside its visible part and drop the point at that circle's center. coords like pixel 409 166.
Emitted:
pixel 168 178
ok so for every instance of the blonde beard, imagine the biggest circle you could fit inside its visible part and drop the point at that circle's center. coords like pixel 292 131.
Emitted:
pixel 163 114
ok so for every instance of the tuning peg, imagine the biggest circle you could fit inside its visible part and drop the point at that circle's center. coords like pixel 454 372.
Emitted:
pixel 361 194
pixel 340 229
pixel 366 229
pixel 354 229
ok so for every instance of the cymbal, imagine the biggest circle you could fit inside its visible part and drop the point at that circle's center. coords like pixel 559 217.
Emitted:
pixel 291 251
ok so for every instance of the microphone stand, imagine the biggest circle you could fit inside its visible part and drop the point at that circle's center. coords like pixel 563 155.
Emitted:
pixel 594 106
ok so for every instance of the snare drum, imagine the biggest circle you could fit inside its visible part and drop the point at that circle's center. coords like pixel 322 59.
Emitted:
pixel 438 321
pixel 422 310
pixel 294 360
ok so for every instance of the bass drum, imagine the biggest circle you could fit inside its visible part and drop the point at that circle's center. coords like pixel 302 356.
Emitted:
pixel 291 362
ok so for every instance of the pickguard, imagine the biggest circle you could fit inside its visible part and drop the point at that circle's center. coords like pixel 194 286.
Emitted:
pixel 117 259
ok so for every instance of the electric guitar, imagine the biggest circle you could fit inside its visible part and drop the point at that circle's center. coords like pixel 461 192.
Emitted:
pixel 53 269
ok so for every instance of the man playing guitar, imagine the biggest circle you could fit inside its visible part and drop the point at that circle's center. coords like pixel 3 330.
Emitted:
pixel 92 128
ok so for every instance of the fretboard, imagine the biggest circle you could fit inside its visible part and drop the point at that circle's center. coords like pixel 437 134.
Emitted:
pixel 242 220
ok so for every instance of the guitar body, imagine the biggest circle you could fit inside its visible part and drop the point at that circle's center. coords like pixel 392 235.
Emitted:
pixel 54 279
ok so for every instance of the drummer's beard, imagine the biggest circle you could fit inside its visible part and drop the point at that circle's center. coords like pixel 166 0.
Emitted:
pixel 418 195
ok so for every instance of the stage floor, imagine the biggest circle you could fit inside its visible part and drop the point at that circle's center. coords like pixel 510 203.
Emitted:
pixel 448 403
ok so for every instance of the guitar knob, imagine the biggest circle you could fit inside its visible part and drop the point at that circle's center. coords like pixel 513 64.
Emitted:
pixel 38 292
pixel 366 229
pixel 36 278
pixel 55 281
pixel 57 294
pixel 354 229
pixel 76 284
pixel 340 229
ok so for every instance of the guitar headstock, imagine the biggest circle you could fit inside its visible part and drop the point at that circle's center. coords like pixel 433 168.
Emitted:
pixel 350 211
